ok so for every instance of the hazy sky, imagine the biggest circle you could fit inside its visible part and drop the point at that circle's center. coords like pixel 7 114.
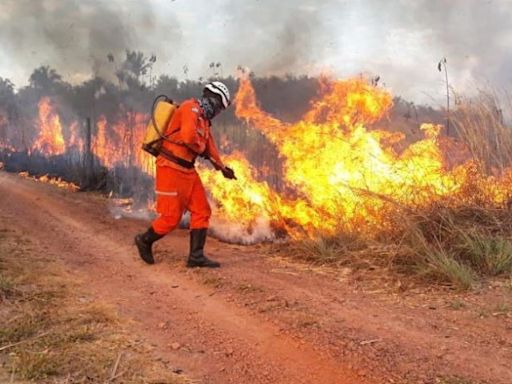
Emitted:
pixel 400 40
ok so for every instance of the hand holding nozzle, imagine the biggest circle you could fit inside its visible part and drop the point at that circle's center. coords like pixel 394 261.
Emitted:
pixel 227 172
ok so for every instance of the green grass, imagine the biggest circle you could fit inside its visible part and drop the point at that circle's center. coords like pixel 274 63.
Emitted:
pixel 489 255
pixel 6 287
pixel 333 249
pixel 321 250
pixel 444 266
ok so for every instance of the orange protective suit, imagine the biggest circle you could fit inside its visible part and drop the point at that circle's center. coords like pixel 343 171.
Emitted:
pixel 179 188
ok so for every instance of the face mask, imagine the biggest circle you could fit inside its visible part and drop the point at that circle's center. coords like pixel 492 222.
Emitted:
pixel 210 106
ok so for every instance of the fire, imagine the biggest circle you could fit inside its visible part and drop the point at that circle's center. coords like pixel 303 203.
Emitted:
pixel 340 173
pixel 57 181
pixel 240 200
pixel 344 175
pixel 50 141
pixel 100 144
pixel 113 143
pixel 116 144
pixel 75 140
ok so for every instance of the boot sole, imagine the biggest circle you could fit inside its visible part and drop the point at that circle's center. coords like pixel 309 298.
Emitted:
pixel 202 266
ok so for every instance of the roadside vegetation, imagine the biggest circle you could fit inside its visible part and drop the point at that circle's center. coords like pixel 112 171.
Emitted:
pixel 52 332
pixel 461 245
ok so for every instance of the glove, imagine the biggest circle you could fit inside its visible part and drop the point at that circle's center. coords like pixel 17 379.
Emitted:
pixel 228 173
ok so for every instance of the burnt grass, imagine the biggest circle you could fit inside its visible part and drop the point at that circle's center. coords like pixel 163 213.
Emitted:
pixel 86 172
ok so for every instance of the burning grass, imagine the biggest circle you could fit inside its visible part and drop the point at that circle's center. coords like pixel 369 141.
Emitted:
pixel 364 197
pixel 52 332
pixel 349 193
pixel 461 247
pixel 57 181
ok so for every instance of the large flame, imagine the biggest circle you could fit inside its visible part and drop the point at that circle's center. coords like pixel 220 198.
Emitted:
pixel 75 141
pixel 343 175
pixel 50 141
pixel 113 143
pixel 117 143
pixel 340 173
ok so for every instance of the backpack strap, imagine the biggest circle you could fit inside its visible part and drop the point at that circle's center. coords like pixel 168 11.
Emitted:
pixel 177 160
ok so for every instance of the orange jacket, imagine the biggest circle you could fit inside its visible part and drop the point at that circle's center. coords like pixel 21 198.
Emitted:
pixel 190 134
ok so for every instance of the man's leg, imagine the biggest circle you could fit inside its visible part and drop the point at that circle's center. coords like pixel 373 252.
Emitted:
pixel 169 205
pixel 200 213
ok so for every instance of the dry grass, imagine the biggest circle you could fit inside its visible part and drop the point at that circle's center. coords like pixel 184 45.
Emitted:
pixel 457 246
pixel 52 332
pixel 460 241
pixel 336 249
pixel 480 124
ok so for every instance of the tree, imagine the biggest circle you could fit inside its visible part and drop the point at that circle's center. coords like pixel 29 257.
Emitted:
pixel 135 65
pixel 45 78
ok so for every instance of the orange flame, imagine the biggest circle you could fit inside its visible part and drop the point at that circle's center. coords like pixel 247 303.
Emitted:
pixel 50 141
pixel 116 144
pixel 346 177
pixel 338 173
pixel 57 181
pixel 75 141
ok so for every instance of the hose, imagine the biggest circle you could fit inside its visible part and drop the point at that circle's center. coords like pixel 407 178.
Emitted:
pixel 153 109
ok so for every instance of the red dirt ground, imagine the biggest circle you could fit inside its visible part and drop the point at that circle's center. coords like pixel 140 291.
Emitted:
pixel 263 318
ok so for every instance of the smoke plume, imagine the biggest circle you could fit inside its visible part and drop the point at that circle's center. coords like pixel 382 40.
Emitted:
pixel 400 41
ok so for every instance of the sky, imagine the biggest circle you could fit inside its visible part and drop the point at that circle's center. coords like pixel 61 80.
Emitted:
pixel 400 40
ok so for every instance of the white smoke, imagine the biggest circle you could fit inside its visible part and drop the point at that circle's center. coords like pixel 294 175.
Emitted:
pixel 260 231
pixel 229 232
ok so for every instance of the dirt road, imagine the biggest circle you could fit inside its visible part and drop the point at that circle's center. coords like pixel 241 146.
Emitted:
pixel 263 319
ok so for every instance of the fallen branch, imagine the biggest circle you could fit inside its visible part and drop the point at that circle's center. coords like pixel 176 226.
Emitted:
pixel 366 342
pixel 118 375
pixel 114 369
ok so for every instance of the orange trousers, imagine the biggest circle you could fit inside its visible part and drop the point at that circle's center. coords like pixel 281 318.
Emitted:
pixel 175 192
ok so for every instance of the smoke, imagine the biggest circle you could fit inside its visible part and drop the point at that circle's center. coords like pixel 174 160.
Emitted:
pixel 235 233
pixel 402 41
pixel 274 37
pixel 259 232
pixel 75 36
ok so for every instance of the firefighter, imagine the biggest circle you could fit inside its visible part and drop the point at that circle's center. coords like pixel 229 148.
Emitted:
pixel 178 186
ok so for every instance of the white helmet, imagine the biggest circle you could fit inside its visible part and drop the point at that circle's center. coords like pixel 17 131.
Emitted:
pixel 220 89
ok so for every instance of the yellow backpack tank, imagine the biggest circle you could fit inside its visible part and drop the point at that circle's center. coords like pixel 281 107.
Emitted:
pixel 161 113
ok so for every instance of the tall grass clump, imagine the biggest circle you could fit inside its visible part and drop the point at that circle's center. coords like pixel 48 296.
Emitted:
pixel 480 123
pixel 460 245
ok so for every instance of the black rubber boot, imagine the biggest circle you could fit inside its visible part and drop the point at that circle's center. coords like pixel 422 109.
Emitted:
pixel 197 257
pixel 144 241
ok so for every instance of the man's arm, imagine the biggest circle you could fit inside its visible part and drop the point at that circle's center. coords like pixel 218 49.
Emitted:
pixel 188 131
pixel 212 153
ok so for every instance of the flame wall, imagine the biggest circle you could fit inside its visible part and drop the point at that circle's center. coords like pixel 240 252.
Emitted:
pixel 338 174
